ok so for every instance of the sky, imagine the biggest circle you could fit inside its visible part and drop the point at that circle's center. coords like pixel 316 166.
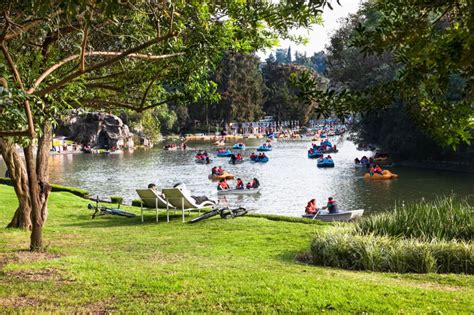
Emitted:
pixel 319 35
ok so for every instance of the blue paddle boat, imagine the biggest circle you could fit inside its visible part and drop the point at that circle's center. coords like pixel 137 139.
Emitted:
pixel 325 162
pixel 261 160
pixel 226 153
pixel 239 146
pixel 316 154
pixel 263 148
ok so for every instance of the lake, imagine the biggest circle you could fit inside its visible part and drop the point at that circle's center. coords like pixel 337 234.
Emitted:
pixel 289 179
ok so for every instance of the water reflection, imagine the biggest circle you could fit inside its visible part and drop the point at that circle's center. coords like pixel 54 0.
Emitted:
pixel 289 180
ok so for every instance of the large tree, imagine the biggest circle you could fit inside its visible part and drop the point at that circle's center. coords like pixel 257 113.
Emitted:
pixel 58 54
pixel 240 84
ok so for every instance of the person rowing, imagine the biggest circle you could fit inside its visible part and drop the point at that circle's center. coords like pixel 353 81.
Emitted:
pixel 331 205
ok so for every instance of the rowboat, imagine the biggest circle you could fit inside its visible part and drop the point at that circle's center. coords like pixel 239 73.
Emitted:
pixel 239 191
pixel 343 215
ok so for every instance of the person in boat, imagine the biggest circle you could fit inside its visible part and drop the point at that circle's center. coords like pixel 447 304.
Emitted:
pixel 311 207
pixel 223 185
pixel 233 158
pixel 328 157
pixel 208 161
pixel 255 183
pixel 371 161
pixel 214 170
pixel 253 156
pixel 356 161
pixel 239 184
pixel 331 205
pixel 377 169
pixel 239 157
pixel 311 151
pixel 220 170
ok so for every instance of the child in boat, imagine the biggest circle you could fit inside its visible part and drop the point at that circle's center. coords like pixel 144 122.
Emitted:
pixel 240 184
pixel 223 185
pixel 311 207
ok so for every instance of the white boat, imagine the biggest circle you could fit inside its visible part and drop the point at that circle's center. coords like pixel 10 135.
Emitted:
pixel 239 191
pixel 342 215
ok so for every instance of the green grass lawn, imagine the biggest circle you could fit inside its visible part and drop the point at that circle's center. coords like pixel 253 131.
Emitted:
pixel 243 265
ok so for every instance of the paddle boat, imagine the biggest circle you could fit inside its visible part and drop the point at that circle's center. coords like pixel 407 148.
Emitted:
pixel 239 146
pixel 325 162
pixel 224 153
pixel 224 175
pixel 342 215
pixel 316 154
pixel 257 159
pixel 264 148
pixel 386 174
pixel 236 160
pixel 203 161
pixel 247 191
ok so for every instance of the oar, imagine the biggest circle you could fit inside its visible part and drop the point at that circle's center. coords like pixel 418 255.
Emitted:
pixel 317 212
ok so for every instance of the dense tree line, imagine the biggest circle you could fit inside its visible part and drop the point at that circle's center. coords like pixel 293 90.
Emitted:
pixel 396 124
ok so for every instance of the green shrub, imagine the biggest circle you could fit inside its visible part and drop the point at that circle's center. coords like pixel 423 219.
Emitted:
pixel 445 218
pixel 381 253
pixel 54 187
pixel 136 203
pixel 116 199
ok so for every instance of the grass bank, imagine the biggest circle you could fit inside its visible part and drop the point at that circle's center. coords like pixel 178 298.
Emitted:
pixel 242 265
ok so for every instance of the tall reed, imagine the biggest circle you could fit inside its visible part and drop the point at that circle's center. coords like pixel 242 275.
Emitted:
pixel 444 218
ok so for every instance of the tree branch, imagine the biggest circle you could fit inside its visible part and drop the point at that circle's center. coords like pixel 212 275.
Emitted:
pixel 105 63
pixel 17 78
pixel 29 25
pixel 45 74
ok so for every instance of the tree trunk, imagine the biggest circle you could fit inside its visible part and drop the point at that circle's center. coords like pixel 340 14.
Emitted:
pixel 16 168
pixel 38 186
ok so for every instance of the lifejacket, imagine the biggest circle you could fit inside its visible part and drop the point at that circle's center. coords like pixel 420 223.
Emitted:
pixel 223 186
pixel 310 207
pixel 249 185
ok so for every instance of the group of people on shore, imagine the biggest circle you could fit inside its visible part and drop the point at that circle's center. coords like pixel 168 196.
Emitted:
pixel 224 185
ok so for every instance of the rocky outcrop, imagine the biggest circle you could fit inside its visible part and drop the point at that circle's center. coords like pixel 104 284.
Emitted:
pixel 95 129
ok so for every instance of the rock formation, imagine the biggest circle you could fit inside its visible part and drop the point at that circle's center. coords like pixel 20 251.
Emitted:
pixel 95 129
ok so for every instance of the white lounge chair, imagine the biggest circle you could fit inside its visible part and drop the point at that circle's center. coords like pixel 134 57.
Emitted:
pixel 150 200
pixel 184 202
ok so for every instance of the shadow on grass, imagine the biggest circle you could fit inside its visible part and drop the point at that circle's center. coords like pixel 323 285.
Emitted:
pixel 114 221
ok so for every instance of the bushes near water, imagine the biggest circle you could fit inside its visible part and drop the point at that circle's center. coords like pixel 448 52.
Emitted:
pixel 442 219
pixel 420 238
